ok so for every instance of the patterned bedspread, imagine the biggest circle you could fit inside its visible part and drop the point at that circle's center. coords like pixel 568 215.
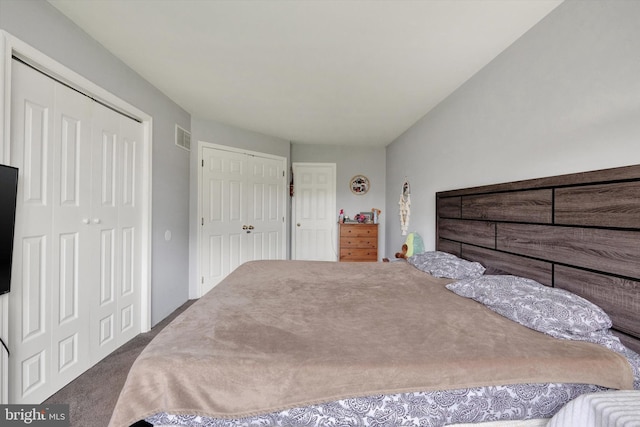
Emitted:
pixel 424 409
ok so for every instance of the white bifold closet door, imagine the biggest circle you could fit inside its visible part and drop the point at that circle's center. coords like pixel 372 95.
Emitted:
pixel 75 293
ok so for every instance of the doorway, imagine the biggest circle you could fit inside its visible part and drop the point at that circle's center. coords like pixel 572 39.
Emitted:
pixel 314 217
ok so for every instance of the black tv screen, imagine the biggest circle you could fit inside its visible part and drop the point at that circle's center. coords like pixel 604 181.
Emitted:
pixel 8 193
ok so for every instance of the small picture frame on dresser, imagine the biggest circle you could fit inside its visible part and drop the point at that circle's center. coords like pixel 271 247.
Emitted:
pixel 368 217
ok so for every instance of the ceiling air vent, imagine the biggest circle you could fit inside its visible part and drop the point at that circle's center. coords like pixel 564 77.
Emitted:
pixel 183 138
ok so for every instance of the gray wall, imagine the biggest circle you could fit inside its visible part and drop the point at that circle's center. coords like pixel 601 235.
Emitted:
pixel 563 98
pixel 221 134
pixel 351 161
pixel 43 27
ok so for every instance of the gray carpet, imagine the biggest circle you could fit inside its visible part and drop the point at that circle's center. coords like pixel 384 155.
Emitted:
pixel 93 395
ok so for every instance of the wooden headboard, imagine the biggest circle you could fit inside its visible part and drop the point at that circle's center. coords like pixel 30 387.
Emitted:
pixel 579 232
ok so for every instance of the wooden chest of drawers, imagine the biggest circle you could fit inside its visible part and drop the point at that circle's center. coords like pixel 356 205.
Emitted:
pixel 358 242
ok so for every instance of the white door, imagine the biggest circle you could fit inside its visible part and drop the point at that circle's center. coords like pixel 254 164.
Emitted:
pixel 115 227
pixel 76 278
pixel 243 211
pixel 314 212
pixel 30 314
pixel 265 209
pixel 70 261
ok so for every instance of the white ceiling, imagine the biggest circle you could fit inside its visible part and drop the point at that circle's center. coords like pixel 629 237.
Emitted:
pixel 350 72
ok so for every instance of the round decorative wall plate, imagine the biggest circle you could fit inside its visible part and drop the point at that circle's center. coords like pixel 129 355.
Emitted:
pixel 359 184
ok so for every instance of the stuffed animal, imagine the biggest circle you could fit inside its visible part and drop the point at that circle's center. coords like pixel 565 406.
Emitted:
pixel 403 253
pixel 413 245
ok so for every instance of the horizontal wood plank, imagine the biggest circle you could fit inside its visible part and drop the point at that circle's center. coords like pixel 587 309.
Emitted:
pixel 449 207
pixel 449 246
pixel 619 298
pixel 540 271
pixel 474 232
pixel 522 206
pixel 612 251
pixel 605 205
pixel 592 177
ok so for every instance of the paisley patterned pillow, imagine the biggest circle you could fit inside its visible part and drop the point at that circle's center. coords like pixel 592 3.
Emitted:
pixel 443 264
pixel 553 311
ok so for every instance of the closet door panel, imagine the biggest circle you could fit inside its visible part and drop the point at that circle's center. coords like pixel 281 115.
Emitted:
pixel 71 237
pixel 29 310
pixel 104 223
pixel 266 208
pixel 116 215
pixel 129 230
pixel 223 222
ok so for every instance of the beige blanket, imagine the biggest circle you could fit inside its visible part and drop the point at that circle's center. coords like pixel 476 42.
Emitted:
pixel 279 334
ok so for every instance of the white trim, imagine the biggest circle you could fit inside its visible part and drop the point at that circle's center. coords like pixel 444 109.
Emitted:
pixel 9 46
pixel 202 144
pixel 195 289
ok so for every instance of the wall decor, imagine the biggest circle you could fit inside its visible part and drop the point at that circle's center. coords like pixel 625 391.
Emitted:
pixel 359 184
pixel 405 206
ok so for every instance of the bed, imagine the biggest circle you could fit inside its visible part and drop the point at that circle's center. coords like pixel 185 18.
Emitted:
pixel 316 343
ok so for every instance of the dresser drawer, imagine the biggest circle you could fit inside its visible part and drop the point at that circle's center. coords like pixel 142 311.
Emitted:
pixel 359 242
pixel 358 254
pixel 359 230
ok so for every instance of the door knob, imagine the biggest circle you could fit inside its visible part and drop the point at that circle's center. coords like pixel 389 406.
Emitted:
pixel 244 227
pixel 251 227
pixel 85 220
pixel 96 220
pixel 298 224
